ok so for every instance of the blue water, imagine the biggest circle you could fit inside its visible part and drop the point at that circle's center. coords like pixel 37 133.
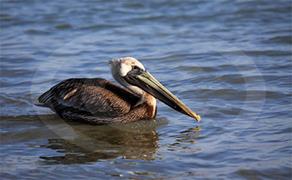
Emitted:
pixel 230 61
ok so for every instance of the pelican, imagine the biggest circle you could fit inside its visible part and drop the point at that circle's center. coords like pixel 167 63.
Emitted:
pixel 99 101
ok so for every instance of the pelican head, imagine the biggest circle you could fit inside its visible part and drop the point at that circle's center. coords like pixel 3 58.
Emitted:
pixel 131 73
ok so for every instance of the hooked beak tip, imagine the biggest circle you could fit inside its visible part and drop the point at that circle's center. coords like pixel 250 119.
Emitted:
pixel 197 117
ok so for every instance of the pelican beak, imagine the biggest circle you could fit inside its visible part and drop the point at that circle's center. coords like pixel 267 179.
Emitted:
pixel 148 83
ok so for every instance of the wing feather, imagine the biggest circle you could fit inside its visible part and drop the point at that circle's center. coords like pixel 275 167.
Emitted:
pixel 96 97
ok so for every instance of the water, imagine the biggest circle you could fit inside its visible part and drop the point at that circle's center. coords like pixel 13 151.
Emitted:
pixel 230 61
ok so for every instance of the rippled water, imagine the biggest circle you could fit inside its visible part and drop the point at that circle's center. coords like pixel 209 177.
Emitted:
pixel 230 61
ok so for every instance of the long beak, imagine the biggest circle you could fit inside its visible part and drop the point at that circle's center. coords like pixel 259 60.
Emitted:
pixel 149 84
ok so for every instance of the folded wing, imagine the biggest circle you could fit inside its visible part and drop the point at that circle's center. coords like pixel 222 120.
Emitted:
pixel 90 97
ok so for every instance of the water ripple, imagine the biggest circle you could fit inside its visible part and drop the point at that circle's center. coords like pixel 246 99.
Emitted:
pixel 230 61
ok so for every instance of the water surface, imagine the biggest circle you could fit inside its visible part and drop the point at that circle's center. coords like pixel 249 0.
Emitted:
pixel 230 61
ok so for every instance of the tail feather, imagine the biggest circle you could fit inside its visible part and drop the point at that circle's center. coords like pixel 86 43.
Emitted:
pixel 44 98
pixel 36 102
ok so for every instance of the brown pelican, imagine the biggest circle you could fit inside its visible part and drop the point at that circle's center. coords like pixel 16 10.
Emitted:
pixel 98 101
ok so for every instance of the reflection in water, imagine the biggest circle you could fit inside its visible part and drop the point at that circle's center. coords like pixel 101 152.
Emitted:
pixel 185 139
pixel 189 136
pixel 130 141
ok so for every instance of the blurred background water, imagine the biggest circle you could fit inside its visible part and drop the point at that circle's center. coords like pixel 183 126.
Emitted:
pixel 230 61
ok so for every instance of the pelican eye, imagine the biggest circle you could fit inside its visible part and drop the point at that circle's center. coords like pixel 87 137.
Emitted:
pixel 136 68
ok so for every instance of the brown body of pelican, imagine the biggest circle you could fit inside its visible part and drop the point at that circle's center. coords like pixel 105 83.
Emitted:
pixel 98 101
